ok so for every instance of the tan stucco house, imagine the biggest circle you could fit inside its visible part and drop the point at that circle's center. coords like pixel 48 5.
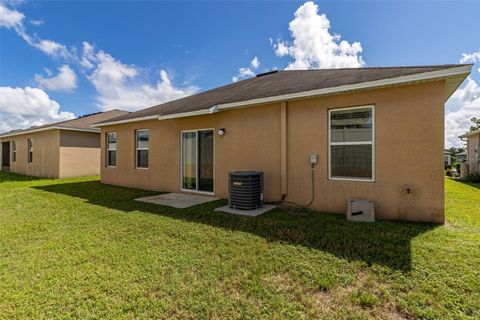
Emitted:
pixel 57 150
pixel 362 127
pixel 473 150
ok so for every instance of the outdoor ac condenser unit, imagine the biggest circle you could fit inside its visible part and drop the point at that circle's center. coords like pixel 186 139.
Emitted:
pixel 360 210
pixel 245 190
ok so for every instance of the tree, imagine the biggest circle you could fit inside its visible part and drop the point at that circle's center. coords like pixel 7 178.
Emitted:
pixel 476 124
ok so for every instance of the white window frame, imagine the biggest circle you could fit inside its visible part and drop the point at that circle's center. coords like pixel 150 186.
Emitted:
pixel 330 144
pixel 29 150
pixel 108 149
pixel 14 151
pixel 137 149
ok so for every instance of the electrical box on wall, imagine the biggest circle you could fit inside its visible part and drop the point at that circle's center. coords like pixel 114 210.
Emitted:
pixel 313 159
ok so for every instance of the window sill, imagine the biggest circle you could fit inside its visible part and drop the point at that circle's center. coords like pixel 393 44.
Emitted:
pixel 351 179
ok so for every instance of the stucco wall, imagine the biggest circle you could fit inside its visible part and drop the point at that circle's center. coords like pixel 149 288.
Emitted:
pixel 473 158
pixel 45 154
pixel 409 139
pixel 57 154
pixel 79 154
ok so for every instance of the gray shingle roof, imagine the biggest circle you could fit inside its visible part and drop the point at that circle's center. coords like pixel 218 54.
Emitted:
pixel 83 122
pixel 278 83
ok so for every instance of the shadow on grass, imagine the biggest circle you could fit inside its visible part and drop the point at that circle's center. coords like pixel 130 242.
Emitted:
pixel 468 183
pixel 385 243
pixel 12 177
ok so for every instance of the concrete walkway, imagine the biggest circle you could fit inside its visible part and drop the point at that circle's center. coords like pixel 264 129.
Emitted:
pixel 178 200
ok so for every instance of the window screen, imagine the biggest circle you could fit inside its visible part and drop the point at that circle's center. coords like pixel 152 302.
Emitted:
pixel 111 149
pixel 30 150
pixel 351 143
pixel 142 148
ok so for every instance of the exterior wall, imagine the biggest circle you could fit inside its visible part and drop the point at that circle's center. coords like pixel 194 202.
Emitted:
pixel 57 154
pixel 79 154
pixel 408 125
pixel 251 142
pixel 45 154
pixel 473 149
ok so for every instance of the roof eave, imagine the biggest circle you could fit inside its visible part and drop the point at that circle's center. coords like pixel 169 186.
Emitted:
pixel 457 73
pixel 109 123
pixel 469 134
pixel 7 135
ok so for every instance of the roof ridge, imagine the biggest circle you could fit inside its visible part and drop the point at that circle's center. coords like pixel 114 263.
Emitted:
pixel 436 66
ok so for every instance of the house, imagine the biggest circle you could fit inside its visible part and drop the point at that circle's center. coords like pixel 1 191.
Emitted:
pixel 58 150
pixel 447 157
pixel 473 150
pixel 319 136
pixel 461 157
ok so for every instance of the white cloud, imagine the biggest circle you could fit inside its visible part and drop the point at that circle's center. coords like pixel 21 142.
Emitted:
pixel 51 48
pixel 470 57
pixel 65 80
pixel 13 19
pixel 10 18
pixel 314 46
pixel 255 63
pixel 121 86
pixel 247 72
pixel 36 22
pixel 26 107
pixel 463 104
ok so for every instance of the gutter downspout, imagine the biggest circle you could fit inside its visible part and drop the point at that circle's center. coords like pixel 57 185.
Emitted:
pixel 283 149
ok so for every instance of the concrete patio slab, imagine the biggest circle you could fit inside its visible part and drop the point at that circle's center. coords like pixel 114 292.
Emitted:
pixel 249 213
pixel 177 200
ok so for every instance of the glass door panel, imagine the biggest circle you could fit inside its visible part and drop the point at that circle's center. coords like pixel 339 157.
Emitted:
pixel 189 160
pixel 205 160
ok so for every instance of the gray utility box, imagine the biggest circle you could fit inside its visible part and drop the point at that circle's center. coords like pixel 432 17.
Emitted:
pixel 245 190
pixel 360 210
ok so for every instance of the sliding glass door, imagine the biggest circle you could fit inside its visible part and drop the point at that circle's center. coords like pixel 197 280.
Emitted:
pixel 197 160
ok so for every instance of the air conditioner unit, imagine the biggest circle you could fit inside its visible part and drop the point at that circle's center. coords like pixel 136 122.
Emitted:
pixel 360 210
pixel 245 190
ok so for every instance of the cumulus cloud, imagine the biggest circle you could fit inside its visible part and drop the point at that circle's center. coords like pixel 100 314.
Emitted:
pixel 65 80
pixel 247 72
pixel 313 45
pixel 26 107
pixel 121 86
pixel 463 104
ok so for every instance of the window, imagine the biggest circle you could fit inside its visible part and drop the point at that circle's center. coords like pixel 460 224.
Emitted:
pixel 141 148
pixel 111 149
pixel 14 151
pixel 30 150
pixel 351 148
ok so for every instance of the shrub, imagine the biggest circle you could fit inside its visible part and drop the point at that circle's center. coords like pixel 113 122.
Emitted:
pixel 449 173
pixel 473 177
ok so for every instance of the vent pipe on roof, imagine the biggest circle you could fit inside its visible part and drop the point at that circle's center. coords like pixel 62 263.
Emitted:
pixel 266 73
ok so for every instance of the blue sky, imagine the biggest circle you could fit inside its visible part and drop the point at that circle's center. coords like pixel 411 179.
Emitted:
pixel 59 59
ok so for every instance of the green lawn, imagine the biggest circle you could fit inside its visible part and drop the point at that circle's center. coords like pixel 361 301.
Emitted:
pixel 76 248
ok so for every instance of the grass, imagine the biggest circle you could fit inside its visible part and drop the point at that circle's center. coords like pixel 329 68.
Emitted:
pixel 77 249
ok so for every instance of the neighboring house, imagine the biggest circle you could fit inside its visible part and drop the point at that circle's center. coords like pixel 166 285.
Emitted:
pixel 365 125
pixel 461 157
pixel 58 150
pixel 447 155
pixel 473 150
